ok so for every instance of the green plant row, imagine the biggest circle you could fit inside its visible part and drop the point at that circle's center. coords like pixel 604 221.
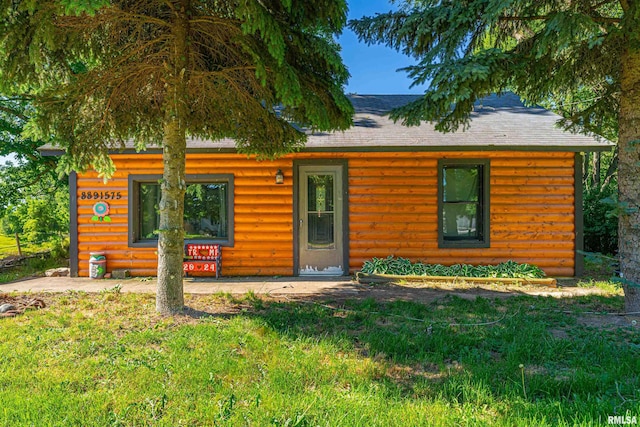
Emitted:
pixel 404 267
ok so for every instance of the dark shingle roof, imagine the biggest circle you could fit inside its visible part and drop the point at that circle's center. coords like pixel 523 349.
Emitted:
pixel 497 123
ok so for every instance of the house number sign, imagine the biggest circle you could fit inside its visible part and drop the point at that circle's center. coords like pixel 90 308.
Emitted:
pixel 97 195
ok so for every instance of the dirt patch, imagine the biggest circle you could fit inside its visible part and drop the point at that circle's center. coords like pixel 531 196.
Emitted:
pixel 629 326
pixel 406 375
pixel 203 306
pixel 433 293
pixel 609 321
pixel 559 334
pixel 200 306
pixel 429 293
pixel 15 305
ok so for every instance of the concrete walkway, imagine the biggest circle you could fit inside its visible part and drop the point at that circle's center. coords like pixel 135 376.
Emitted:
pixel 318 286
pixel 232 285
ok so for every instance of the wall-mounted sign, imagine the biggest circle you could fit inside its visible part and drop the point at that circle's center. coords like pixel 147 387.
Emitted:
pixel 101 212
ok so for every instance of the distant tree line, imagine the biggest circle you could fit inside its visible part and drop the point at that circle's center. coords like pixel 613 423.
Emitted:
pixel 34 197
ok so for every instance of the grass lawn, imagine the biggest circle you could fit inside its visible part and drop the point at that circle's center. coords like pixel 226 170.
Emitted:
pixel 35 266
pixel 8 246
pixel 108 360
pixel 30 267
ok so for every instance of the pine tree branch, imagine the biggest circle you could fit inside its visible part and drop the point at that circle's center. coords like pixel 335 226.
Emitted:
pixel 145 19
pixel 224 71
pixel 121 92
pixel 169 4
pixel 19 98
pixel 602 3
pixel 624 4
pixel 140 49
pixel 605 20
pixel 112 14
pixel 214 21
pixel 595 18
pixel 13 112
pixel 524 18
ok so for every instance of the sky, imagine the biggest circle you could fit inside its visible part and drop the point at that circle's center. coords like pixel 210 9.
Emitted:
pixel 373 69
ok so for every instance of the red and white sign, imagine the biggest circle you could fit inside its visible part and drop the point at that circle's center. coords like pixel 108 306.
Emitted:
pixel 207 267
pixel 202 252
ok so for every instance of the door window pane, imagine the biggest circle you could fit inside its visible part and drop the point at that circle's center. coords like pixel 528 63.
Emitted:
pixel 320 192
pixel 320 215
pixel 320 231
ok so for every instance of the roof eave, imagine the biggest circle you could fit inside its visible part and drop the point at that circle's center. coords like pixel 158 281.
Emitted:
pixel 382 148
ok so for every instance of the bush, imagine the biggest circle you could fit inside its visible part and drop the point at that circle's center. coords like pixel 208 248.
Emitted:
pixel 39 220
pixel 404 267
pixel 601 220
pixel 60 248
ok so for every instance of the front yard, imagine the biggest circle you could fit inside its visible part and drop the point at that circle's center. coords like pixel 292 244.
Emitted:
pixel 108 360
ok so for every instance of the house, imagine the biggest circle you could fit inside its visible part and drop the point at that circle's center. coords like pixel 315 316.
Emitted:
pixel 507 188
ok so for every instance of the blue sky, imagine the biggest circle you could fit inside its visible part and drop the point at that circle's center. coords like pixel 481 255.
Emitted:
pixel 373 68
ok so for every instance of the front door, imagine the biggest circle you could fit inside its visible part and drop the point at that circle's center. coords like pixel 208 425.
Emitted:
pixel 320 220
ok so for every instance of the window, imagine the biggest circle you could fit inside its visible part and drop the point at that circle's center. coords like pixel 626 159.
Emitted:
pixel 463 203
pixel 208 209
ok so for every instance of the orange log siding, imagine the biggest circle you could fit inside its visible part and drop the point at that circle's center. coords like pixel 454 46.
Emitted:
pixel 392 211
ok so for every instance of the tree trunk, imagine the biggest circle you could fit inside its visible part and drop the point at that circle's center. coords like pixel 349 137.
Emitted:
pixel 18 245
pixel 585 169
pixel 170 294
pixel 596 170
pixel 629 169
pixel 612 169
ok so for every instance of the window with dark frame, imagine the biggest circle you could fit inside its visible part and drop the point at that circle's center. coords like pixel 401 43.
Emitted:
pixel 463 203
pixel 207 210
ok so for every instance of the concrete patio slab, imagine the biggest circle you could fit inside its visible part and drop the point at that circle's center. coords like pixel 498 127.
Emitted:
pixel 240 285
pixel 332 288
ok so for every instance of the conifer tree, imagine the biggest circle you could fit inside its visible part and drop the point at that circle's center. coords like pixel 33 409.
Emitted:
pixel 540 49
pixel 156 71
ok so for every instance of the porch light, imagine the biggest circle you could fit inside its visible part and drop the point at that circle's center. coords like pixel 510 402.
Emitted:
pixel 279 177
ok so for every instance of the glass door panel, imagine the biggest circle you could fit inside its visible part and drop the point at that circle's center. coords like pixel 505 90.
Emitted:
pixel 320 220
pixel 320 212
